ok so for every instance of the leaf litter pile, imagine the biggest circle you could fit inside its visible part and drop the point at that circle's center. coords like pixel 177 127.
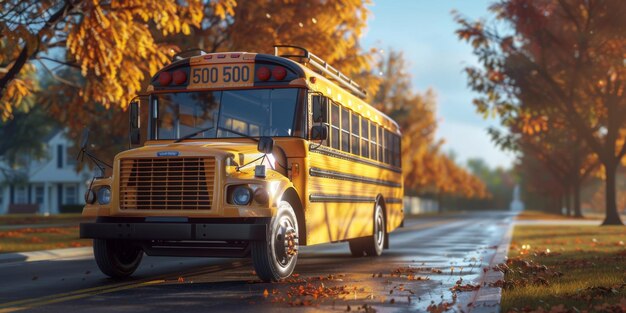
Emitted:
pixel 38 238
pixel 332 290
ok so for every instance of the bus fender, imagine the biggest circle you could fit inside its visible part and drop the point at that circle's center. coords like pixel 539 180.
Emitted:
pixel 288 193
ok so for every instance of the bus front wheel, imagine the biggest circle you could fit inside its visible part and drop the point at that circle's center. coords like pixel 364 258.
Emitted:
pixel 275 258
pixel 371 245
pixel 117 258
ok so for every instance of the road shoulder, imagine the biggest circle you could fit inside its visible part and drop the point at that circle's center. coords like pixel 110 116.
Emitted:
pixel 45 255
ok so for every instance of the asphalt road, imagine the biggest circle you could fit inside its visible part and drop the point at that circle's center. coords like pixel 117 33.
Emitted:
pixel 427 257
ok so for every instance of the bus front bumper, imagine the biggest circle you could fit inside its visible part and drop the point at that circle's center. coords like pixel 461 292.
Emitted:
pixel 173 231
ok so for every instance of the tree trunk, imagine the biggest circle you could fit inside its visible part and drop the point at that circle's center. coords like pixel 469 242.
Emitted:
pixel 556 204
pixel 612 215
pixel 21 60
pixel 568 203
pixel 577 211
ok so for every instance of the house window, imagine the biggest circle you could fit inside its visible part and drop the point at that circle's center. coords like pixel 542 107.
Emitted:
pixel 21 195
pixel 59 156
pixel 70 195
pixel 70 158
pixel 39 194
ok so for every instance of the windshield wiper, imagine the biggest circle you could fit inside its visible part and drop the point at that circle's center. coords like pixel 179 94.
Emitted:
pixel 238 133
pixel 193 134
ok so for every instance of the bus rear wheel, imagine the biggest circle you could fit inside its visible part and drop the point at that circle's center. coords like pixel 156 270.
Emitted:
pixel 371 245
pixel 117 258
pixel 275 258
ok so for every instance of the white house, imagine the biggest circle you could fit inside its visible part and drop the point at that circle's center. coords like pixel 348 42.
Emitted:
pixel 49 184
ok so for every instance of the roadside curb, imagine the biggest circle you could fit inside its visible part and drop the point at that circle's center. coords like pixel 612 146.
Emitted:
pixel 487 298
pixel 44 255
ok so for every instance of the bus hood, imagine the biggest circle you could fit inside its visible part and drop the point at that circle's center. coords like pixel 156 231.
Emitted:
pixel 238 150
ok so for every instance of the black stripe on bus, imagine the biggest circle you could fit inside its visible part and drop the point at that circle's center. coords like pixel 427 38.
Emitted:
pixel 394 200
pixel 340 198
pixel 327 151
pixel 317 172
pixel 349 199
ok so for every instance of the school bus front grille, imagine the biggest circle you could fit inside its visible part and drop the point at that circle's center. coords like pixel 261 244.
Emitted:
pixel 177 183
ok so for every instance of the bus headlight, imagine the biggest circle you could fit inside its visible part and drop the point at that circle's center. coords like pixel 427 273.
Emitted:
pixel 104 195
pixel 242 195
pixel 90 196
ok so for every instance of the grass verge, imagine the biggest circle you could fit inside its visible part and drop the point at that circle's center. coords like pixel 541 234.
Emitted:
pixel 539 215
pixel 40 238
pixel 37 219
pixel 565 268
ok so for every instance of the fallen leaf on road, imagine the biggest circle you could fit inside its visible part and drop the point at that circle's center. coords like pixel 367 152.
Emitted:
pixel 466 287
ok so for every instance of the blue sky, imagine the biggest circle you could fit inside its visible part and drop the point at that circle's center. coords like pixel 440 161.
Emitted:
pixel 424 31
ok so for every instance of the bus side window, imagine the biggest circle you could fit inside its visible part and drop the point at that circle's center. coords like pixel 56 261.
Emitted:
pixel 345 130
pixel 320 111
pixel 397 150
pixel 354 142
pixel 381 145
pixel 334 127
pixel 365 143
pixel 388 144
pixel 374 147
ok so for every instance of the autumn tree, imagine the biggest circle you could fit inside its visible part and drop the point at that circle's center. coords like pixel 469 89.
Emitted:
pixel 329 29
pixel 425 168
pixel 110 42
pixel 553 144
pixel 569 57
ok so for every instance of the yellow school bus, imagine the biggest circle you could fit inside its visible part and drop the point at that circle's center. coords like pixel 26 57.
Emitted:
pixel 248 155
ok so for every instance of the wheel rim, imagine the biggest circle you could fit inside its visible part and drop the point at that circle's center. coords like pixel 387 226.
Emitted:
pixel 285 241
pixel 126 254
pixel 379 227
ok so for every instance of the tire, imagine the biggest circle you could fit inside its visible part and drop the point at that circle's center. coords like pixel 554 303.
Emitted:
pixel 371 245
pixel 276 257
pixel 117 258
pixel 357 247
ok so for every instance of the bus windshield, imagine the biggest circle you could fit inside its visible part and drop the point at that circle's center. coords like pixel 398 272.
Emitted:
pixel 254 112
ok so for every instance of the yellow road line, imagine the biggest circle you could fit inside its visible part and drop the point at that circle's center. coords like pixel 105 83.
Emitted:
pixel 65 294
pixel 87 292
pixel 39 302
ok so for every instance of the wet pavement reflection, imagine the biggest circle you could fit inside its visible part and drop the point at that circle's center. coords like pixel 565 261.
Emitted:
pixel 434 263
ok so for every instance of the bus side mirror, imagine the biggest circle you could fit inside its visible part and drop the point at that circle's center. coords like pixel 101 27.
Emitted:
pixel 319 132
pixel 266 145
pixel 134 134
